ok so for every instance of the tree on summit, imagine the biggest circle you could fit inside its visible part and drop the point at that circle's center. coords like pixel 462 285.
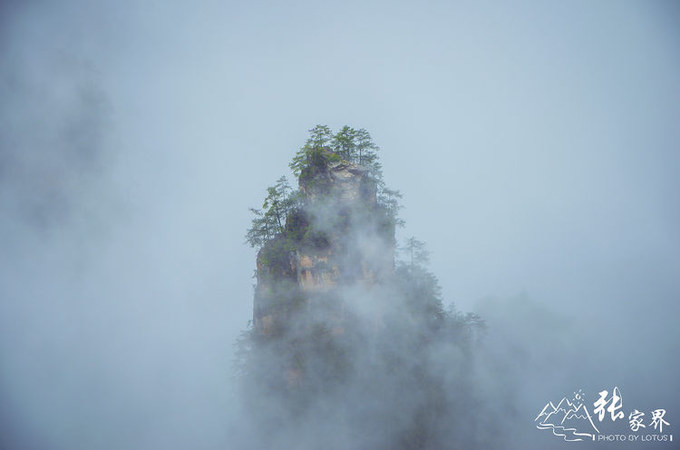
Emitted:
pixel 343 143
pixel 366 149
pixel 356 146
pixel 348 144
pixel 322 148
pixel 315 152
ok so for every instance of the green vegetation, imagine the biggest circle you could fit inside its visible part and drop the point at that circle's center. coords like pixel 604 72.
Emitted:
pixel 315 154
pixel 337 316
pixel 270 221
pixel 321 149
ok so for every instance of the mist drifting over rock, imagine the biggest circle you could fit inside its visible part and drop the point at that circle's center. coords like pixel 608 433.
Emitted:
pixel 535 144
pixel 350 348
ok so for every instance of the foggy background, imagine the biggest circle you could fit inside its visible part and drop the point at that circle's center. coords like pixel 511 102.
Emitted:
pixel 536 145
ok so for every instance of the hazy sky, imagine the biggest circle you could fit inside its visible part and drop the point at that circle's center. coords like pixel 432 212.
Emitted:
pixel 536 145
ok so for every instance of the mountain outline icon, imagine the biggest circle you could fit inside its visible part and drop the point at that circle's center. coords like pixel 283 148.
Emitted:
pixel 567 420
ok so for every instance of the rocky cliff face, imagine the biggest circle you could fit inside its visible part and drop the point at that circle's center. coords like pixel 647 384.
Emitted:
pixel 349 350
pixel 338 236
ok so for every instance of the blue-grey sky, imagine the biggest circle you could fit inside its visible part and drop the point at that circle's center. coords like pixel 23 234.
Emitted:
pixel 535 142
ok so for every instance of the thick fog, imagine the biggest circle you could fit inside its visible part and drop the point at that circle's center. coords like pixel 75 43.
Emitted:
pixel 536 145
